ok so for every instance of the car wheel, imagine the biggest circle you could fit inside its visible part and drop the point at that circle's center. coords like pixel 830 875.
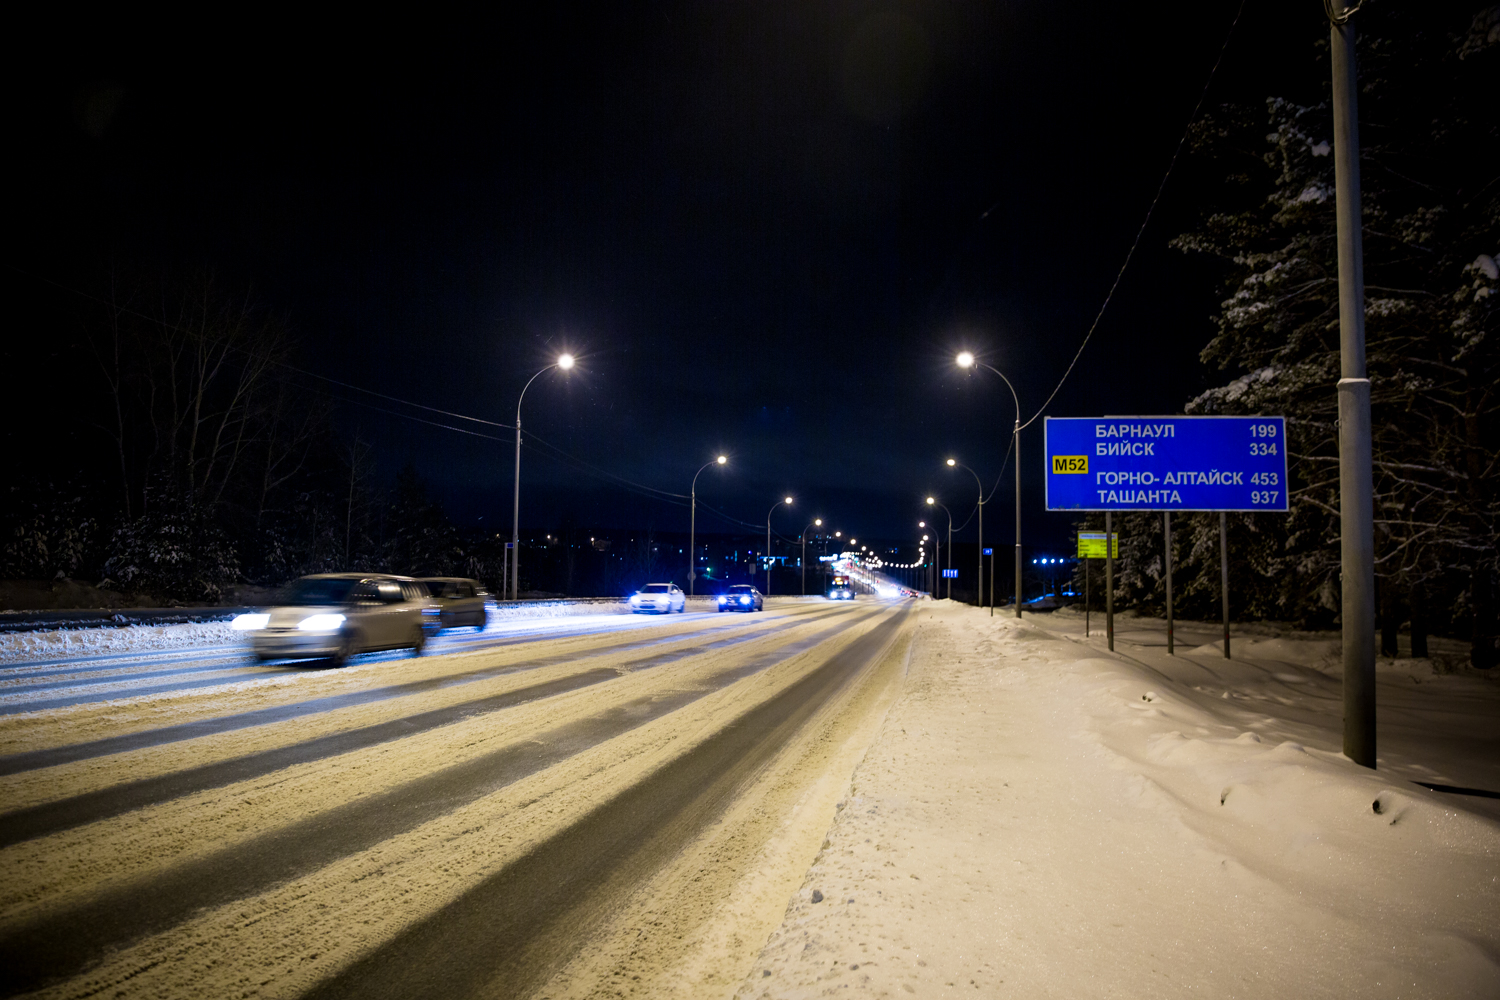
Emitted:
pixel 419 641
pixel 346 648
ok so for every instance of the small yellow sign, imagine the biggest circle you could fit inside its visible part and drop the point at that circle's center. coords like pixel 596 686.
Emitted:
pixel 1070 464
pixel 1091 544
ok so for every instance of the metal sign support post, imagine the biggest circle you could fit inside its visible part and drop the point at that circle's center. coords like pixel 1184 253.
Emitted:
pixel 1109 578
pixel 1224 574
pixel 992 585
pixel 1086 597
pixel 1356 478
pixel 1167 531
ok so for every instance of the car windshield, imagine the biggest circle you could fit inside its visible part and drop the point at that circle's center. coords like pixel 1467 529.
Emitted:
pixel 317 592
pixel 656 588
pixel 741 589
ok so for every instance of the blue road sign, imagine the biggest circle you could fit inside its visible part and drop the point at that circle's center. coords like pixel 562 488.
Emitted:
pixel 989 552
pixel 1166 463
pixel 950 574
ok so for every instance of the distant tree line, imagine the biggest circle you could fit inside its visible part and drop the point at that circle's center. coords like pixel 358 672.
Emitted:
pixel 1431 207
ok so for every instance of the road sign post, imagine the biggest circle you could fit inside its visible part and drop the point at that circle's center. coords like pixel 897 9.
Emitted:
pixel 1166 530
pixel 1224 574
pixel 1109 581
pixel 1091 546
pixel 1216 464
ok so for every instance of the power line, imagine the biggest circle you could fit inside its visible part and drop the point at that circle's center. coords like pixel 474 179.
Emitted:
pixel 1147 220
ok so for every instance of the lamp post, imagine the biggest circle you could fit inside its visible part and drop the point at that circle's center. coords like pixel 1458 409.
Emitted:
pixel 934 502
pixel 778 503
pixel 979 578
pixel 967 360
pixel 564 361
pixel 693 524
pixel 815 522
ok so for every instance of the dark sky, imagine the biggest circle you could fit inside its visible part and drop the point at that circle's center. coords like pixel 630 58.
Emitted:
pixel 764 227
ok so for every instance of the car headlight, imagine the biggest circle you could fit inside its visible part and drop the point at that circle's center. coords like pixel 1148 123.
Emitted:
pixel 745 599
pixel 320 623
pixel 246 623
pixel 723 599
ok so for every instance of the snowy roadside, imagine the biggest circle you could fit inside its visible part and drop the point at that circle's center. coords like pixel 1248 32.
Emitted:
pixel 57 643
pixel 1040 818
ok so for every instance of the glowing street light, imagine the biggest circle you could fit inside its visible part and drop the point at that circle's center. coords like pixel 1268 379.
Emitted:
pixel 564 361
pixel 979 584
pixel 693 524
pixel 966 360
pixel 778 503
pixel 815 522
pixel 933 502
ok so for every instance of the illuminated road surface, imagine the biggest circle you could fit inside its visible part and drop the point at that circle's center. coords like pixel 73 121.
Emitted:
pixel 509 813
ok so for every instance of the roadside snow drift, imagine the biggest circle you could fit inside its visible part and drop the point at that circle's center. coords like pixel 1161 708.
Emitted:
pixel 1041 818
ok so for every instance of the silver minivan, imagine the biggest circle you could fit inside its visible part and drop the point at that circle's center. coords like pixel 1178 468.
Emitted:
pixel 334 616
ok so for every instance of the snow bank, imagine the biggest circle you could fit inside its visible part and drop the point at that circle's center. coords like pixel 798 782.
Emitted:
pixel 59 643
pixel 1041 818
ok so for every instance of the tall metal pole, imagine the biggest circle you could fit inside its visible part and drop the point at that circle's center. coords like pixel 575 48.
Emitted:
pixel 979 581
pixel 1167 531
pixel 778 503
pixel 1356 479
pixel 693 524
pixel 515 515
pixel 1224 575
pixel 1109 578
pixel 564 361
pixel 1017 433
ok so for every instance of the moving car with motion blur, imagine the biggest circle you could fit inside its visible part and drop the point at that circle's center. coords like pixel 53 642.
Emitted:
pixel 459 601
pixel 742 597
pixel 661 598
pixel 841 589
pixel 333 616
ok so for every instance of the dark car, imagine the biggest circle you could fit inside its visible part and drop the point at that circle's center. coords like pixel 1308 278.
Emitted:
pixel 334 616
pixel 459 601
pixel 742 597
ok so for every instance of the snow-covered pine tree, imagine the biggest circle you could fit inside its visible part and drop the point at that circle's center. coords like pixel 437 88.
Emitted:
pixel 1431 236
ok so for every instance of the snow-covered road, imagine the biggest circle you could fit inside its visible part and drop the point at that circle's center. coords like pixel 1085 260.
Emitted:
pixel 139 832
pixel 876 800
pixel 40 671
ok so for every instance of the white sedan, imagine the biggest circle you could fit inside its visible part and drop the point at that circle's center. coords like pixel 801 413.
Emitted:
pixel 661 598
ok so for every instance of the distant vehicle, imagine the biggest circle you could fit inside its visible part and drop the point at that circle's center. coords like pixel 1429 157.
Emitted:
pixel 661 598
pixel 742 597
pixel 334 616
pixel 841 589
pixel 459 601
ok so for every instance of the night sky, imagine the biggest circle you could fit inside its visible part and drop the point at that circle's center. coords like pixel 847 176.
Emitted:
pixel 764 228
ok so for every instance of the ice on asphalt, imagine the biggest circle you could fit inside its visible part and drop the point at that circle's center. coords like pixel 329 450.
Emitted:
pixel 1041 818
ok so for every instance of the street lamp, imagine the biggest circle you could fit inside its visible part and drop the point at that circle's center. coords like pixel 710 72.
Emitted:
pixel 966 360
pixel 979 583
pixel 932 501
pixel 778 503
pixel 564 361
pixel 693 524
pixel 815 522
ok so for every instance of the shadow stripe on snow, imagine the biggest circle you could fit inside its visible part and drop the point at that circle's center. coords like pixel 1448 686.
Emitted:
pixel 66 943
pixel 508 934
pixel 33 760
pixel 63 814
